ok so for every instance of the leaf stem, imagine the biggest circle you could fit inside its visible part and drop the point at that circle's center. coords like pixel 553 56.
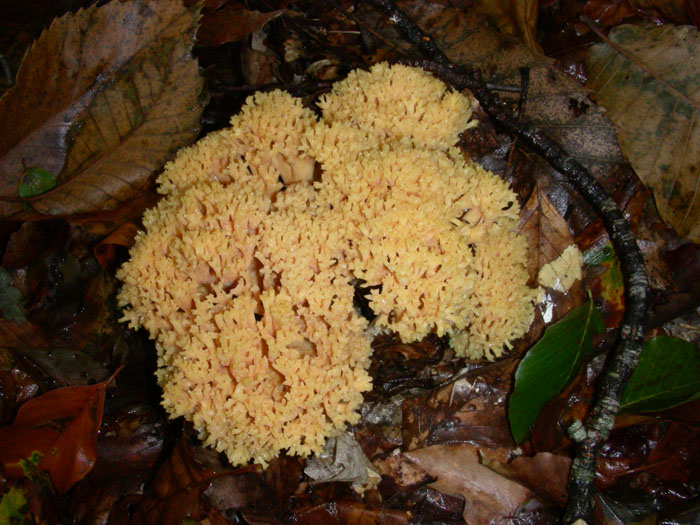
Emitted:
pixel 622 361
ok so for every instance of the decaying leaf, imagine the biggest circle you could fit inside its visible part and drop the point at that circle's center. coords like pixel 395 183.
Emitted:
pixel 647 79
pixel 103 98
pixel 470 409
pixel 59 431
pixel 488 496
pixel 549 237
pixel 342 459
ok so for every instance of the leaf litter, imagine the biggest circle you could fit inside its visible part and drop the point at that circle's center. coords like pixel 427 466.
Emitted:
pixel 435 428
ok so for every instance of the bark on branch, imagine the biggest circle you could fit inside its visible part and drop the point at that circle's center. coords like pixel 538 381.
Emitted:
pixel 623 359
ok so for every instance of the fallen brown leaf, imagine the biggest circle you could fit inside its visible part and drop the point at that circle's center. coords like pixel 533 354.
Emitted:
pixel 488 496
pixel 101 100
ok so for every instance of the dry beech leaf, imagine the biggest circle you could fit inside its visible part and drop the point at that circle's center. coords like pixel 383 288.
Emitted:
pixel 647 79
pixel 103 98
pixel 488 496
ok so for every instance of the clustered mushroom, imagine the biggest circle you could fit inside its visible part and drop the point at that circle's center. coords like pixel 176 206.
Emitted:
pixel 246 272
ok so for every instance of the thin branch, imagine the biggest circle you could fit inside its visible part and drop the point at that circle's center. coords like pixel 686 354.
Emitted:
pixel 622 361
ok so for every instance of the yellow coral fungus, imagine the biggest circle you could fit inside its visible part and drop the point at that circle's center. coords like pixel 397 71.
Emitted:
pixel 246 273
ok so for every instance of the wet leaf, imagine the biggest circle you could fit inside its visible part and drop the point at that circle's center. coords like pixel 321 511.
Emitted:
pixel 607 284
pixel 668 374
pixel 177 491
pixel 544 473
pixel 488 496
pixel 548 236
pixel 60 429
pixel 470 409
pixel 102 99
pixel 550 365
pixel 11 299
pixel 647 81
pixel 673 10
pixel 232 25
pixel 65 366
pixel 516 18
pixel 608 12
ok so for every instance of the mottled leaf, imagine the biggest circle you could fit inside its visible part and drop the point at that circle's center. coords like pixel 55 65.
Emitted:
pixel 548 237
pixel 13 506
pixel 102 99
pixel 608 283
pixel 667 375
pixel 648 81
pixel 58 428
pixel 550 365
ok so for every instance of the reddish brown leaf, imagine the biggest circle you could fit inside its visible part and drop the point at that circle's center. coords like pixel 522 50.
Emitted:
pixel 61 425
pixel 608 12
pixel 544 473
pixel 488 496
pixel 177 492
pixel 232 25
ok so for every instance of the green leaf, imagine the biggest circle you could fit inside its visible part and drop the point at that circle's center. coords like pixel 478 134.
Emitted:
pixel 668 374
pixel 35 182
pixel 11 299
pixel 13 506
pixel 550 365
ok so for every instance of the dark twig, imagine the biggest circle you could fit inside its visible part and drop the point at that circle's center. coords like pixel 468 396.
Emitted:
pixel 622 361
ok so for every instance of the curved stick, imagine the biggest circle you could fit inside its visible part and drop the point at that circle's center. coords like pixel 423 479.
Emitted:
pixel 622 361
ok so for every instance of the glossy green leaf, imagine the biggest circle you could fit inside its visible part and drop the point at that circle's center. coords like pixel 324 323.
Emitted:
pixel 668 374
pixel 11 299
pixel 550 365
pixel 35 182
